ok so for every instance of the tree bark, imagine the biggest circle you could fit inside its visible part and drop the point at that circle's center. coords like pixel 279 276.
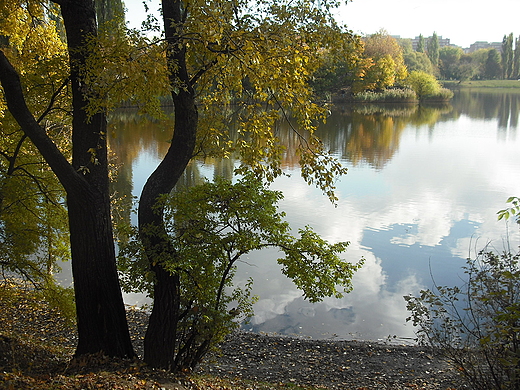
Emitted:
pixel 101 316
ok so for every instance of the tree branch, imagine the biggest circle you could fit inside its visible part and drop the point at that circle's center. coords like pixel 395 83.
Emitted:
pixel 202 70
pixel 10 80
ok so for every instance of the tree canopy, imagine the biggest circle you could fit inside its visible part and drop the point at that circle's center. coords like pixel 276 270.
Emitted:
pixel 383 63
pixel 259 56
pixel 415 59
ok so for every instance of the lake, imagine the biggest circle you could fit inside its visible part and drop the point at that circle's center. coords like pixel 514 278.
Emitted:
pixel 422 193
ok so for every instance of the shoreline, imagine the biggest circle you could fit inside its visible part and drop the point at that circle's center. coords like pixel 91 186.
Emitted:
pixel 333 364
pixel 246 356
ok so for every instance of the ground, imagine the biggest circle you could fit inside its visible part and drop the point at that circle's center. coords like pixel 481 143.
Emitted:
pixel 331 364
pixel 36 347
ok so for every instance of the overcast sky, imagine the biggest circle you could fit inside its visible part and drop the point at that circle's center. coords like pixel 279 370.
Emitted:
pixel 463 21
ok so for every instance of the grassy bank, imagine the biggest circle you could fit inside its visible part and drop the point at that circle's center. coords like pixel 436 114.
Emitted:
pixel 482 84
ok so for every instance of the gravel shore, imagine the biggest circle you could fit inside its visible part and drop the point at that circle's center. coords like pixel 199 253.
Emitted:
pixel 330 364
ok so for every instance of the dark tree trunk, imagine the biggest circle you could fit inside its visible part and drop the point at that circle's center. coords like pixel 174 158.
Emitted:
pixel 101 316
pixel 100 308
pixel 160 339
pixel 160 344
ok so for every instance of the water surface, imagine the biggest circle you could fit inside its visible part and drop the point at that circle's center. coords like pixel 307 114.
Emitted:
pixel 421 195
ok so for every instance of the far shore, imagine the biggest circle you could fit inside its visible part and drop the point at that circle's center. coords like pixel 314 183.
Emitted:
pixel 509 84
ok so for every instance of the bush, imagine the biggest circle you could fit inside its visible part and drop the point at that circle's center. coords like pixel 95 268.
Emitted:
pixel 442 94
pixel 389 95
pixel 212 226
pixel 476 327
pixel 423 84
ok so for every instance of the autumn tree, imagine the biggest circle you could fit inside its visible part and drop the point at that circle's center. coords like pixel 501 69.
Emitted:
pixel 100 310
pixel 259 57
pixel 33 231
pixel 383 63
pixel 212 47
pixel 33 219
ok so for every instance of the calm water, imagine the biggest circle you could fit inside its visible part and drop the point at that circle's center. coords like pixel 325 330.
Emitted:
pixel 422 192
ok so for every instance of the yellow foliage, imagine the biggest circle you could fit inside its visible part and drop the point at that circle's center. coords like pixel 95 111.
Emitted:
pixel 36 50
pixel 259 58
pixel 125 68
pixel 262 64
pixel 383 63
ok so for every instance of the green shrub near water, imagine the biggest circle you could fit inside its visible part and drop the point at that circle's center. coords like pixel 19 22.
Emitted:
pixel 400 95
pixel 403 95
pixel 443 94
pixel 427 87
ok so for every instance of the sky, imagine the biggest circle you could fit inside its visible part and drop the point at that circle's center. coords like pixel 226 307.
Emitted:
pixel 463 21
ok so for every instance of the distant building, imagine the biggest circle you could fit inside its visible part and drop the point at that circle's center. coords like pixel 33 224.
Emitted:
pixel 442 42
pixel 484 45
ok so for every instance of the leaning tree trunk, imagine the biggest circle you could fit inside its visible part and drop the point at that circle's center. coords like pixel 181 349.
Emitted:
pixel 160 343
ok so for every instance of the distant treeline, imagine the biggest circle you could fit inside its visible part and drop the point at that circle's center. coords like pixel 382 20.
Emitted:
pixel 451 63
pixel 381 62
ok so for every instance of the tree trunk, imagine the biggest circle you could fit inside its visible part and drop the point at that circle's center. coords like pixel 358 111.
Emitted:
pixel 160 343
pixel 100 308
pixel 101 316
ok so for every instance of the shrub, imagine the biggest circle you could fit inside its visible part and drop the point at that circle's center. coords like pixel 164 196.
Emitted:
pixel 388 95
pixel 422 83
pixel 212 226
pixel 442 94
